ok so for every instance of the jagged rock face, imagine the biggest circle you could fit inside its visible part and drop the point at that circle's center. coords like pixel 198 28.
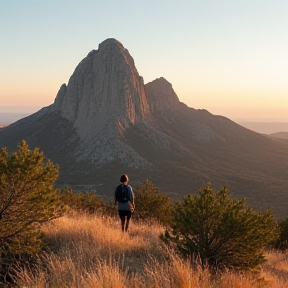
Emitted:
pixel 104 86
pixel 104 96
pixel 161 95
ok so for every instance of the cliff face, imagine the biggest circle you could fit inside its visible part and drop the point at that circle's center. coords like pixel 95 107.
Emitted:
pixel 106 122
pixel 105 88
pixel 161 96
pixel 104 96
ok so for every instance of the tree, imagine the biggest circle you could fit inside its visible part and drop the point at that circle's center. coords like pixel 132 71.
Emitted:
pixel 152 204
pixel 221 232
pixel 27 198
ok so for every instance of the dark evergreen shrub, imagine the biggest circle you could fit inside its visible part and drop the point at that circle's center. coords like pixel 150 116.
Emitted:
pixel 221 232
pixel 87 202
pixel 282 242
pixel 152 204
pixel 27 199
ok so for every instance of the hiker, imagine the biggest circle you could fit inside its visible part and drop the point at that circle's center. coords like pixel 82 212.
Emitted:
pixel 125 198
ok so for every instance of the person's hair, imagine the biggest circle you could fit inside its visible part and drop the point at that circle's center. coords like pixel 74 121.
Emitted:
pixel 124 178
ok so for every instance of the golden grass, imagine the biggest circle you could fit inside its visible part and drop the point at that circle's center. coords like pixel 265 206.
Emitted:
pixel 90 251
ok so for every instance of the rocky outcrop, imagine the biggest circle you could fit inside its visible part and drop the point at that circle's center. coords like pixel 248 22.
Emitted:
pixel 59 98
pixel 161 95
pixel 104 96
pixel 105 88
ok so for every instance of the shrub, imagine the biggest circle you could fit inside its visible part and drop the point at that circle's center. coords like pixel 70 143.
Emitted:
pixel 221 232
pixel 282 242
pixel 80 201
pixel 152 204
pixel 27 198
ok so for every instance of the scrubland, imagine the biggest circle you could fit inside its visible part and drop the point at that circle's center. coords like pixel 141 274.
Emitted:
pixel 91 251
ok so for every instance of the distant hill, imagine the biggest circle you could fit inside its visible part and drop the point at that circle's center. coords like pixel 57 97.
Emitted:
pixel 8 118
pixel 281 135
pixel 265 127
pixel 106 122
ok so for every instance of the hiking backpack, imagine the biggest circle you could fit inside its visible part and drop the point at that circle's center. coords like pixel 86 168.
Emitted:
pixel 121 194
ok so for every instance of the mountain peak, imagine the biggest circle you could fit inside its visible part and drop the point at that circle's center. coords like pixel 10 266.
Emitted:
pixel 105 87
pixel 113 46
pixel 110 42
pixel 161 96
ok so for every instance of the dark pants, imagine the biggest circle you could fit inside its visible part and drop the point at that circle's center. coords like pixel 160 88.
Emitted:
pixel 125 214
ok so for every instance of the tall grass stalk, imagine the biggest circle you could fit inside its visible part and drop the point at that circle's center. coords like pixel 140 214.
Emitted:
pixel 90 251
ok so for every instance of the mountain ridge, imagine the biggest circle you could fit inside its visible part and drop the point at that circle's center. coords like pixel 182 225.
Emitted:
pixel 106 122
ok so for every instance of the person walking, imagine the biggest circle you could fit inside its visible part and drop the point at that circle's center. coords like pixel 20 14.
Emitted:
pixel 124 196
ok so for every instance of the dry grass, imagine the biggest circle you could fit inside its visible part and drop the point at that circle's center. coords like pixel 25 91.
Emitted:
pixel 89 251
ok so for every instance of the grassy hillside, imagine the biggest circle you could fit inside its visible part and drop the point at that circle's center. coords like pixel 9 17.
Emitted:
pixel 91 251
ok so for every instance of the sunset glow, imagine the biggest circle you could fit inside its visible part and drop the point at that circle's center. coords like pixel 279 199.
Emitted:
pixel 228 57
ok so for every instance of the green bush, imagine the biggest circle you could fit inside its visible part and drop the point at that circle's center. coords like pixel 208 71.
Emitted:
pixel 282 242
pixel 27 198
pixel 80 201
pixel 221 232
pixel 152 204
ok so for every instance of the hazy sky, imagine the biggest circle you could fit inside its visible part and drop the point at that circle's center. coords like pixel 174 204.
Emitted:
pixel 229 57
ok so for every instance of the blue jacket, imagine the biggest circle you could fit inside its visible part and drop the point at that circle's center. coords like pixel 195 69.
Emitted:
pixel 126 205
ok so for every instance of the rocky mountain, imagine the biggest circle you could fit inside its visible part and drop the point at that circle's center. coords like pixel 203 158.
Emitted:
pixel 106 122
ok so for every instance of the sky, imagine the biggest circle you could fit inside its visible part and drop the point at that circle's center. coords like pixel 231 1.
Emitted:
pixel 229 57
